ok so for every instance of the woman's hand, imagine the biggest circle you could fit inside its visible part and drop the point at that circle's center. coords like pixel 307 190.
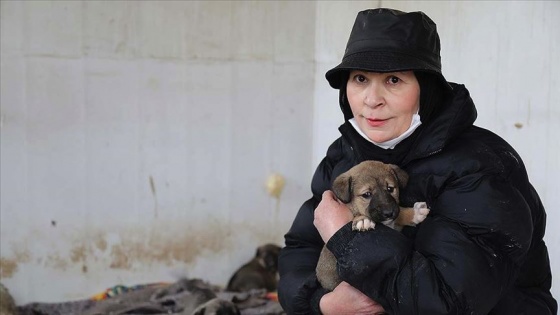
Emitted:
pixel 330 215
pixel 345 299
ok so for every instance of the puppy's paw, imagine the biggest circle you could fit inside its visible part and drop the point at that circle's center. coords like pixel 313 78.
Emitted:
pixel 362 223
pixel 421 211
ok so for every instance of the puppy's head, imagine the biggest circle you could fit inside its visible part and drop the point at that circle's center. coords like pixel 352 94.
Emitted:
pixel 267 255
pixel 371 188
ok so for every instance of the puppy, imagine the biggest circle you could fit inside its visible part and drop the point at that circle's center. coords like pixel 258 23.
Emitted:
pixel 259 273
pixel 371 191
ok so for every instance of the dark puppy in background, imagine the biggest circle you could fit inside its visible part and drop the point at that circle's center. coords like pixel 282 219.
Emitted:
pixel 371 191
pixel 259 273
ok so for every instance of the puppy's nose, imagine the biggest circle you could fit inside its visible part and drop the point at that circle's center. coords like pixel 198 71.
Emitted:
pixel 387 212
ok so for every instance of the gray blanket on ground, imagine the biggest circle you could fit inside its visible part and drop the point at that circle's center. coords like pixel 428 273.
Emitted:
pixel 183 297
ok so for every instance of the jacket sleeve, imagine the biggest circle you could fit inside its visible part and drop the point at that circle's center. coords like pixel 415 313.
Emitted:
pixel 299 291
pixel 463 258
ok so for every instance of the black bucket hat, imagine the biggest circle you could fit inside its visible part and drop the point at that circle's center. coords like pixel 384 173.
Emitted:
pixel 387 40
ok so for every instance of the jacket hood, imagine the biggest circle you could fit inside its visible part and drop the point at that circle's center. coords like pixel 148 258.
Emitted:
pixel 456 114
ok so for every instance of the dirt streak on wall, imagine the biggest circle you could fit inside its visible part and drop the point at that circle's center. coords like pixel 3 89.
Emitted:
pixel 126 249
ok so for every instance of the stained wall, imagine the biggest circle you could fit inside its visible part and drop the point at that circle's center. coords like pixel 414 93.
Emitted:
pixel 138 136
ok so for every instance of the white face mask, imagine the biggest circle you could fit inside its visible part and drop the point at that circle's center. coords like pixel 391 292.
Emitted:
pixel 390 144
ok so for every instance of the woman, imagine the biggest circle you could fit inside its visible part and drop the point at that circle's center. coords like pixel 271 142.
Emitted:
pixel 481 249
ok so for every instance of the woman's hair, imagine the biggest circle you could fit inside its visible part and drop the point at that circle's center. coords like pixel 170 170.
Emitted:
pixel 343 98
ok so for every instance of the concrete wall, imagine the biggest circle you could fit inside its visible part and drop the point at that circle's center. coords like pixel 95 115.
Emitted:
pixel 136 137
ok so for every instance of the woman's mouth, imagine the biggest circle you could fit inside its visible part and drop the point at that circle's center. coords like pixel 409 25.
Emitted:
pixel 376 122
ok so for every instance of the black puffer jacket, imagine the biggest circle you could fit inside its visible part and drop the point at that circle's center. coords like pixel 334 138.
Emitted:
pixel 480 251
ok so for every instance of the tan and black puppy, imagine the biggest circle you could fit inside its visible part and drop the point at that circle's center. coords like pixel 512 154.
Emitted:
pixel 259 273
pixel 371 191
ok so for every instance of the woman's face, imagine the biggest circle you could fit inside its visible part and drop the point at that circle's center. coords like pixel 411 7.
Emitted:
pixel 383 103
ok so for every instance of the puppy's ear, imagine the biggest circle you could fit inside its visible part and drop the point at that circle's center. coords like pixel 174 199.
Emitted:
pixel 342 188
pixel 260 251
pixel 402 176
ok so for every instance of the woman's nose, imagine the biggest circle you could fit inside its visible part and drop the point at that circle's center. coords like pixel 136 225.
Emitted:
pixel 374 95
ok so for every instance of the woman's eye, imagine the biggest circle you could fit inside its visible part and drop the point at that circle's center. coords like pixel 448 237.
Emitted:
pixel 367 194
pixel 393 80
pixel 390 189
pixel 360 78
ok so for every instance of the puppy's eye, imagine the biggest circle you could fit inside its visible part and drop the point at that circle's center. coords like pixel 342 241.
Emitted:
pixel 367 194
pixel 390 189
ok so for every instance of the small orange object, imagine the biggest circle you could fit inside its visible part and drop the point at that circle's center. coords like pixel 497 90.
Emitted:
pixel 273 296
